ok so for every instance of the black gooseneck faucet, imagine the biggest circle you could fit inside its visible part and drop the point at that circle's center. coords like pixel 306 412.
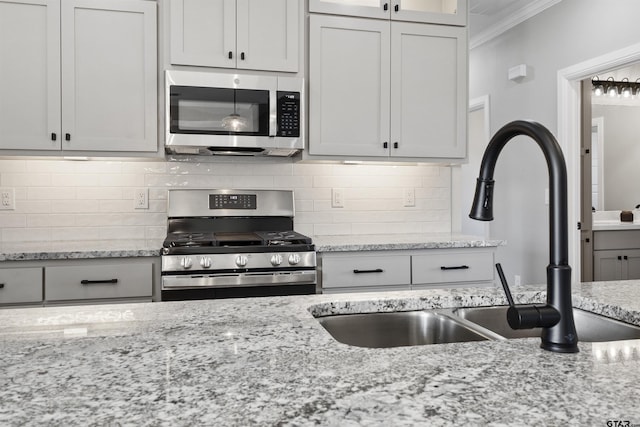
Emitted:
pixel 556 317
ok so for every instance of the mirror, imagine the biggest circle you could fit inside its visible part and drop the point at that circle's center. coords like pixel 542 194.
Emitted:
pixel 615 144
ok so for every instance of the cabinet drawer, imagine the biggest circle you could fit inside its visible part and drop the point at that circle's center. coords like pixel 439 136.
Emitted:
pixel 449 267
pixel 20 285
pixel 366 271
pixel 98 281
pixel 616 239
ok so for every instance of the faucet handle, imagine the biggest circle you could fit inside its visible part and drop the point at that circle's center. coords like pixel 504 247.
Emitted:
pixel 527 316
pixel 505 286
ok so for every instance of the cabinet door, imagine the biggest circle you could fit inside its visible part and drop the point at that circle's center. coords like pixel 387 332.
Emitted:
pixel 631 265
pixel 109 75
pixel 203 32
pixel 451 12
pixel 98 281
pixel 30 75
pixel 452 266
pixel 20 285
pixel 606 265
pixel 365 271
pixel 363 8
pixel 268 35
pixel 428 90
pixel 348 86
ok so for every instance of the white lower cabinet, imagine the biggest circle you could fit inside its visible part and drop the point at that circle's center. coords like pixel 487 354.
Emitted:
pixel 80 281
pixel 451 267
pixel 92 282
pixel 616 255
pixel 346 272
pixel 404 270
pixel 21 286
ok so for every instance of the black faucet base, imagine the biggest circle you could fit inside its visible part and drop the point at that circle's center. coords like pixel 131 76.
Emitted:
pixel 559 348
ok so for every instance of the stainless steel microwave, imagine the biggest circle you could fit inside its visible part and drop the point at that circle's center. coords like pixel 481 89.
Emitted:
pixel 233 114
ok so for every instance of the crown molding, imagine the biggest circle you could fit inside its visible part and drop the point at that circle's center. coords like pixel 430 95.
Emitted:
pixel 510 21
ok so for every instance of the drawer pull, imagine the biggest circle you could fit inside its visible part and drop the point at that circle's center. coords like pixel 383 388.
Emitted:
pixel 1 285
pixel 377 270
pixel 94 282
pixel 458 267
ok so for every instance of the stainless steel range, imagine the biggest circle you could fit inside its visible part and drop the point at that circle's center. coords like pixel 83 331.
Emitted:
pixel 234 243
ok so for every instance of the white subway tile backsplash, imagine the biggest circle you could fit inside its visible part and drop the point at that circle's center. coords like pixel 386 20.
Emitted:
pixel 50 220
pixel 332 229
pixel 11 220
pixel 75 206
pixel 75 180
pixel 31 180
pixel 103 193
pixel 83 205
pixel 51 193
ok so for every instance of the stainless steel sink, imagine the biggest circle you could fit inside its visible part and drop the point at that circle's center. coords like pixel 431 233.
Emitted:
pixel 589 326
pixel 381 330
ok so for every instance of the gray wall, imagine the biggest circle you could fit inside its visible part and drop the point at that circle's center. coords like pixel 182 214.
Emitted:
pixel 566 34
pixel 621 155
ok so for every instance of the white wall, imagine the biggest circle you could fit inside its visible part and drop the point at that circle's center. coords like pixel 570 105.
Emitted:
pixel 568 33
pixel 85 205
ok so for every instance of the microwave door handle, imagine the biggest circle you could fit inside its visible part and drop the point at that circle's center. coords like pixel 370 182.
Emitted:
pixel 273 113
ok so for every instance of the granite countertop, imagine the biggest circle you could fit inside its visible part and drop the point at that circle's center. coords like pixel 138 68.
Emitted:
pixel 322 243
pixel 615 225
pixel 267 361
pixel 381 242
pixel 80 254
pixel 610 220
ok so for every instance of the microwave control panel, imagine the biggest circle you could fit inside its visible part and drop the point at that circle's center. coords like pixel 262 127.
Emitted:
pixel 289 114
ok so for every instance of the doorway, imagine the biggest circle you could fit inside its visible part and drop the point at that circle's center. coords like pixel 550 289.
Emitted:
pixel 570 131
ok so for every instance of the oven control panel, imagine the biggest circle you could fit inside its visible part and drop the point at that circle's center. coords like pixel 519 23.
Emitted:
pixel 232 201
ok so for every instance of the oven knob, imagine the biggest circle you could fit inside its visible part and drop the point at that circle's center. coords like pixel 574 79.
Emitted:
pixel 241 260
pixel 276 260
pixel 294 259
pixel 205 262
pixel 186 262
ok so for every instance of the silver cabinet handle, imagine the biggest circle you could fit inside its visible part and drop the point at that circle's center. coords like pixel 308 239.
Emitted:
pixel 458 267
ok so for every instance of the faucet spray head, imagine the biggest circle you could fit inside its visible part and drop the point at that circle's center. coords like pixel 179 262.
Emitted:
pixel 482 207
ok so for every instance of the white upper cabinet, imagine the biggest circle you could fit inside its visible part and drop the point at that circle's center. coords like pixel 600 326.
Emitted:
pixel 243 34
pixel 78 75
pixel 387 90
pixel 30 75
pixel 450 12
pixel 349 86
pixel 428 90
pixel 109 69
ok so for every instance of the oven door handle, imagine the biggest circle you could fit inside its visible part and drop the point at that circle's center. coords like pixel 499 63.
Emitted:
pixel 297 277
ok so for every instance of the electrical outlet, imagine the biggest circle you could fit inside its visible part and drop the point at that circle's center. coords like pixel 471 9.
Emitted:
pixel 337 200
pixel 7 199
pixel 517 280
pixel 409 197
pixel 141 198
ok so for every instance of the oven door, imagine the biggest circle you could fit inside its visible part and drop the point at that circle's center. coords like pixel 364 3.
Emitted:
pixel 238 285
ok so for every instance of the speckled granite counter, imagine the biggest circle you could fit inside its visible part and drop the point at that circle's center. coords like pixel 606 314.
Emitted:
pixel 615 225
pixel 41 256
pixel 400 241
pixel 267 361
